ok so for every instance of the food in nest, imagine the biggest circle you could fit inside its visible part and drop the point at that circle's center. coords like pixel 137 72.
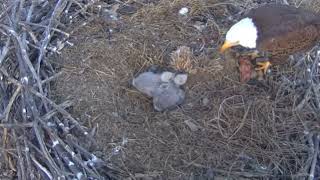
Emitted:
pixel 245 69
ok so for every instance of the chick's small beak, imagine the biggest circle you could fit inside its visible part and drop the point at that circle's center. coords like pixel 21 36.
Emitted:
pixel 226 45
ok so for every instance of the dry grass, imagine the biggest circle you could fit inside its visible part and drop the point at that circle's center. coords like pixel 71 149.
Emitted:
pixel 224 128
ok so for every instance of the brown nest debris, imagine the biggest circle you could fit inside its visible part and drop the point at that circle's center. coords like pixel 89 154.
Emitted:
pixel 182 60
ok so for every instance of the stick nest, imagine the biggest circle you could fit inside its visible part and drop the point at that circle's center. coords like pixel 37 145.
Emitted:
pixel 268 130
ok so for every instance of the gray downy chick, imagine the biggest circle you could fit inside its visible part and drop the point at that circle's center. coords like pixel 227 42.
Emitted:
pixel 167 97
pixel 180 79
pixel 149 82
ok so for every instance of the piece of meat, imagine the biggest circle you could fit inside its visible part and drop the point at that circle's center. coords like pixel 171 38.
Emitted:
pixel 246 69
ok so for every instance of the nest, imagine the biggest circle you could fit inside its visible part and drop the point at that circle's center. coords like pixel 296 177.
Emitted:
pixel 40 138
pixel 268 130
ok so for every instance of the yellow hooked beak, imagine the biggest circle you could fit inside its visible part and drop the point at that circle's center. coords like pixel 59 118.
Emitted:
pixel 226 45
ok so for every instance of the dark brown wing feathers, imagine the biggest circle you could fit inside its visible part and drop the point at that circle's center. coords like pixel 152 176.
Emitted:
pixel 285 30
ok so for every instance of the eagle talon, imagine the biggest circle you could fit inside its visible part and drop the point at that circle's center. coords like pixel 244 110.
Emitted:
pixel 264 66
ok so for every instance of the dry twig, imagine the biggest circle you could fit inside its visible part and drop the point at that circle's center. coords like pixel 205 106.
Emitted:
pixel 30 120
